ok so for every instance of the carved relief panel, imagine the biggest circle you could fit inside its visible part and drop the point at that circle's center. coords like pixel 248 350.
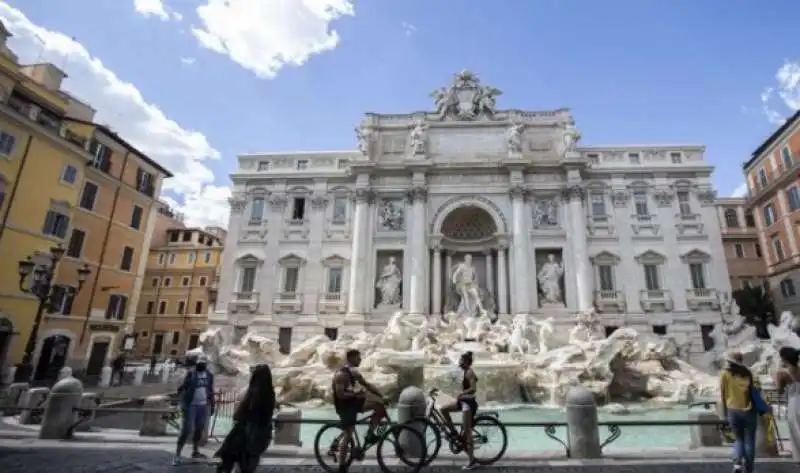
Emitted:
pixel 391 214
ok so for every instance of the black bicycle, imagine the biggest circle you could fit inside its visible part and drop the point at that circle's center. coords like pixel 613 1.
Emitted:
pixel 390 439
pixel 435 424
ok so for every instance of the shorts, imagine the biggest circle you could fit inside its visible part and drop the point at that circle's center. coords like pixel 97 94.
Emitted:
pixel 468 405
pixel 348 411
pixel 194 420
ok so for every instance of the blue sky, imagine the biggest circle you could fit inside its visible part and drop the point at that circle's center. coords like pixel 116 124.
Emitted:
pixel 195 82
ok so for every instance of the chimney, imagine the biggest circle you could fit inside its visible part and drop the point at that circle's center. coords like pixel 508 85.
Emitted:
pixel 47 75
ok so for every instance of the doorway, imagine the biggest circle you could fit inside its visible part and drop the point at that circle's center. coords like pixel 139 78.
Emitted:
pixel 158 344
pixel 97 357
pixel 52 357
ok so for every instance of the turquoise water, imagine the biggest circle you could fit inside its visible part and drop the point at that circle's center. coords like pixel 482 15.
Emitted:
pixel 533 439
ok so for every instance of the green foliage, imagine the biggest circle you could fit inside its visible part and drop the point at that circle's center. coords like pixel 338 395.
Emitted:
pixel 756 306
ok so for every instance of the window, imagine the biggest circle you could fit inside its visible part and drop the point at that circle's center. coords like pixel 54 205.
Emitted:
pixel 660 329
pixel 70 174
pixel 778 245
pixel 762 177
pixel 757 248
pixel 162 307
pixel 598 202
pixel 708 340
pixel 127 259
pixel 198 307
pixel 194 340
pixel 190 257
pixel 136 217
pixel 640 202
pixel 263 165
pixel 749 219
pixel 207 257
pixel 173 236
pixel 55 224
pixel 203 280
pixel 605 275
pixel 684 205
pixel 290 279
pixel 145 182
pixel 787 288
pixel 161 258
pixel 187 236
pixel 731 218
pixel 7 142
pixel 154 282
pixel 633 158
pixel 61 300
pixel 676 158
pixel 176 337
pixel 332 333
pixel 181 307
pixel 697 274
pixel 167 282
pixel 341 164
pixel 652 281
pixel 151 306
pixel 738 249
pixel 248 281
pixel 285 340
pixel 185 281
pixel 89 196
pixel 339 210
pixel 786 156
pixel 298 208
pixel 334 280
pixel 75 246
pixel 594 158
pixel 302 164
pixel 117 303
pixel 172 258
pixel 101 156
pixel 793 196
pixel 769 215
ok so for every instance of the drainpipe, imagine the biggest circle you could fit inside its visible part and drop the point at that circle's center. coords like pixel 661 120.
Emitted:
pixel 15 186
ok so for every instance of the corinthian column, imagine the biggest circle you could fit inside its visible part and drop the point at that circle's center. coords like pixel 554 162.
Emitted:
pixel 502 281
pixel 358 258
pixel 437 277
pixel 418 277
pixel 577 236
pixel 520 302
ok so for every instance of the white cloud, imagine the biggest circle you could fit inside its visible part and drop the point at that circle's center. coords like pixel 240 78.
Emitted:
pixel 784 95
pixel 408 28
pixel 187 61
pixel 740 191
pixel 119 103
pixel 264 36
pixel 156 8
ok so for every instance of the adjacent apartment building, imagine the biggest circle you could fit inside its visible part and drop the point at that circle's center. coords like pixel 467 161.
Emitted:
pixel 181 271
pixel 741 244
pixel 67 181
pixel 774 196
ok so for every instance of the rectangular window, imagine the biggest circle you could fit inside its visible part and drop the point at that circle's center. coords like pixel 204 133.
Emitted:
pixel 127 259
pixel 334 280
pixel 190 257
pixel 7 142
pixel 762 177
pixel 151 306
pixel 786 156
pixel 787 288
pixel 101 156
pixel 181 307
pixel 162 307
pixel 61 300
pixel 652 281
pixel 606 275
pixel 75 246
pixel 89 196
pixel 302 164
pixel 633 158
pixel 749 219
pixel 198 307
pixel 185 281
pixel 285 340
pixel 640 203
pixel 697 274
pixel 136 217
pixel 248 280
pixel 738 249
pixel 660 329
pixel 161 258
pixel 167 282
pixel 55 224
pixel 708 340
pixel 290 279
pixel 172 258
pixel 145 183
pixel 257 210
pixel 339 210
pixel 778 244
pixel 594 158
pixel 69 174
pixel 263 165
pixel 731 218
pixel 298 208
pixel 176 337
pixel 769 215
pixel 207 257
pixel 793 196
pixel 203 280
pixel 154 282
pixel 757 250
pixel 676 158
pixel 598 206
pixel 683 204
pixel 117 304
pixel 194 340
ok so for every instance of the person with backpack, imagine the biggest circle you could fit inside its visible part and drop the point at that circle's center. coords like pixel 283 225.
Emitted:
pixel 741 404
pixel 196 395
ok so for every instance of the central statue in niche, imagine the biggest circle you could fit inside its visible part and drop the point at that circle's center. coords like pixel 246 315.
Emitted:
pixel 468 291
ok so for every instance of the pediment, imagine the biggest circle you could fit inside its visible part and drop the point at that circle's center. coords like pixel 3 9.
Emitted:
pixel 334 259
pixel 299 191
pixel 650 257
pixel 250 256
pixel 258 191
pixel 292 258
pixel 605 257
pixel 695 256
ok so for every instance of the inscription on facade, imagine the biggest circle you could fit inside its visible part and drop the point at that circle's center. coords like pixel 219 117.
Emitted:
pixel 490 140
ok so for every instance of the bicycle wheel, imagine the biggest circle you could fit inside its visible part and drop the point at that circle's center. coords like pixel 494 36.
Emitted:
pixel 391 445
pixel 326 447
pixel 485 428
pixel 432 436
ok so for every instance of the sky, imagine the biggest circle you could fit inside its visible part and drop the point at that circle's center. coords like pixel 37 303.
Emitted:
pixel 194 83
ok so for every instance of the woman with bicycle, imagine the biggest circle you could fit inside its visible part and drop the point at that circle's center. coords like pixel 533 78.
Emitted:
pixel 467 404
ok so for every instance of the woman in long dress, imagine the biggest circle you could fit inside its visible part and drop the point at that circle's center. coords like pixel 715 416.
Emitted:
pixel 252 429
pixel 788 379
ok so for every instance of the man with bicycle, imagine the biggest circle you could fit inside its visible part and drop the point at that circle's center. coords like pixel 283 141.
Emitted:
pixel 467 404
pixel 350 402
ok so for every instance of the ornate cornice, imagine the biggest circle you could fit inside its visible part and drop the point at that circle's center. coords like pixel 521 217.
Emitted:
pixel 417 194
pixel 575 191
pixel 518 191
pixel 365 194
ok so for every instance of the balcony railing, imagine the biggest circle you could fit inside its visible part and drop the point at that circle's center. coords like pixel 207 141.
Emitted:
pixel 651 299
pixel 287 301
pixel 702 298
pixel 246 296
pixel 610 300
pixel 332 302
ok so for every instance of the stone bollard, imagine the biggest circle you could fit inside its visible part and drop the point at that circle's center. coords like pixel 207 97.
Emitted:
pixel 704 435
pixel 165 374
pixel 288 433
pixel 584 435
pixel 154 424
pixel 33 400
pixel 59 411
pixel 12 398
pixel 64 372
pixel 411 404
pixel 88 401
pixel 766 447
pixel 105 376
pixel 138 375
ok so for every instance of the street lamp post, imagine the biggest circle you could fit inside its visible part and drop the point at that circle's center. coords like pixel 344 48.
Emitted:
pixel 42 279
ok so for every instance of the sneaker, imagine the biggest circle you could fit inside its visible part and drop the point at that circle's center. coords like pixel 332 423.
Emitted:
pixel 176 460
pixel 198 456
pixel 737 468
pixel 470 466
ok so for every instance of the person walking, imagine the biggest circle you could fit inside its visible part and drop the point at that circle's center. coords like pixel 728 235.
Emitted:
pixel 252 429
pixel 197 405
pixel 118 370
pixel 788 379
pixel 736 382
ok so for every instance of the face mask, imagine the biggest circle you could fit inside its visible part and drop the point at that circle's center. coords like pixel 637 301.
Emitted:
pixel 201 367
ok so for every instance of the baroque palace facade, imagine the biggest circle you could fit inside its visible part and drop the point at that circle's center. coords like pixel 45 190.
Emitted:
pixel 333 242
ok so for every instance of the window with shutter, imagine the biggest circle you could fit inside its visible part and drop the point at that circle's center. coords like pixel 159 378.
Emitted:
pixel 55 224
pixel 75 247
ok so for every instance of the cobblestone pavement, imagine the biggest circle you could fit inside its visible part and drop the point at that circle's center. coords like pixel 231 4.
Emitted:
pixel 75 459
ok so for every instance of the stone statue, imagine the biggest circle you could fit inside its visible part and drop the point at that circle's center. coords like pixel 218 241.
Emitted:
pixel 388 284
pixel 465 99
pixel 545 214
pixel 445 99
pixel 465 281
pixel 487 99
pixel 391 216
pixel 550 280
pixel 571 137
pixel 418 135
pixel 514 138
pixel 364 136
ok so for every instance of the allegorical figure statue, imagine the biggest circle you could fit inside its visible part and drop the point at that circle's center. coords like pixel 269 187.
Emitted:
pixel 571 137
pixel 550 280
pixel 466 284
pixel 364 136
pixel 388 283
pixel 514 138
pixel 418 134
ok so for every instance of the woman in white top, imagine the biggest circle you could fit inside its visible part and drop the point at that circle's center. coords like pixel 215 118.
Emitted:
pixel 788 379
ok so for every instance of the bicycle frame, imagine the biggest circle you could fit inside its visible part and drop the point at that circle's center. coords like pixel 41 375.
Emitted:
pixel 438 419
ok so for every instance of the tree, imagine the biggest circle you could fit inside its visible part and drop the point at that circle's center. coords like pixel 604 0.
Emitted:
pixel 755 305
